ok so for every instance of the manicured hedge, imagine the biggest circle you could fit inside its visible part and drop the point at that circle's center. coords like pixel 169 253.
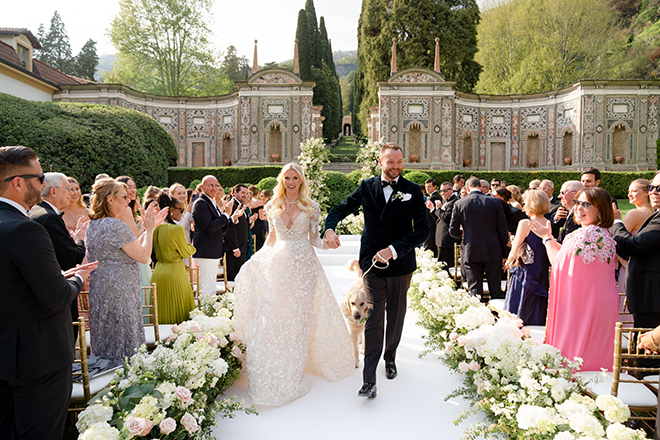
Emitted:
pixel 616 183
pixel 227 176
pixel 83 140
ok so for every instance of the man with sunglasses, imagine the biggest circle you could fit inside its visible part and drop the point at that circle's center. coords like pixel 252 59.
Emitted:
pixel 35 319
pixel 443 212
pixel 643 251
pixel 563 217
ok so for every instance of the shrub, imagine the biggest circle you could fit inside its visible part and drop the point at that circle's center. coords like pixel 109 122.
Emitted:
pixel 339 186
pixel 83 140
pixel 194 183
pixel 267 183
pixel 419 177
pixel 356 177
pixel 227 176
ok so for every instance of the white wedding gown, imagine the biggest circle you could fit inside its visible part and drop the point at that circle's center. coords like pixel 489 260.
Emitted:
pixel 287 316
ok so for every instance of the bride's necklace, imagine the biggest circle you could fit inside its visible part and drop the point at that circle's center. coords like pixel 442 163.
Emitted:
pixel 294 201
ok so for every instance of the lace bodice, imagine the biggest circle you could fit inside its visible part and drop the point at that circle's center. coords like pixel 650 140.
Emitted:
pixel 303 229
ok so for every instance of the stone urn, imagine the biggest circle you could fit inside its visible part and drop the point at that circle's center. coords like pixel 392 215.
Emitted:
pixel 466 163
pixel 618 159
pixel 275 157
pixel 227 162
pixel 532 163
pixel 414 158
pixel 568 161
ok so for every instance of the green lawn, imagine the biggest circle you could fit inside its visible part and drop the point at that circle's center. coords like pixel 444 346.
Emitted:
pixel 346 146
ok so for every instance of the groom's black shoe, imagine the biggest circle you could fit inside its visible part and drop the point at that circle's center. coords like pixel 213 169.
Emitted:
pixel 390 370
pixel 368 390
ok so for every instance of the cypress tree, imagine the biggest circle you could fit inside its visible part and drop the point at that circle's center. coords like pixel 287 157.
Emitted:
pixel 55 47
pixel 304 59
pixel 314 36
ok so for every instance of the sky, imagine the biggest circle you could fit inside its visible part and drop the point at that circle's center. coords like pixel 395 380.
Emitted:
pixel 237 23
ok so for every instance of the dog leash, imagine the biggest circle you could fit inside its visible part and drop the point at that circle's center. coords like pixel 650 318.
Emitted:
pixel 374 262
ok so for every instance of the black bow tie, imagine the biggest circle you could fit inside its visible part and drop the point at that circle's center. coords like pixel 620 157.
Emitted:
pixel 61 214
pixel 385 183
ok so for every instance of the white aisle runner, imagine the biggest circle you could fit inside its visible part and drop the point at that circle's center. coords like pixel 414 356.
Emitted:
pixel 410 406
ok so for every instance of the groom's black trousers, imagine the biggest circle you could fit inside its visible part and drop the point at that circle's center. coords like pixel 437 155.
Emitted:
pixel 388 295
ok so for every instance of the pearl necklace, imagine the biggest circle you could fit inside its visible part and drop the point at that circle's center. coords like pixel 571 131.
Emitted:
pixel 292 202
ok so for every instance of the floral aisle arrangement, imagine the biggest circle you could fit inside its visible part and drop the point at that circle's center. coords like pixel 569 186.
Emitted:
pixel 351 225
pixel 313 154
pixel 173 392
pixel 368 157
pixel 526 389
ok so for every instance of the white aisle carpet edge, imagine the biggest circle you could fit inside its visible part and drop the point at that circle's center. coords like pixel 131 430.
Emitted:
pixel 412 405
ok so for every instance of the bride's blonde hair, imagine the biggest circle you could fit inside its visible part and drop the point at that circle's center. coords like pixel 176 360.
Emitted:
pixel 278 203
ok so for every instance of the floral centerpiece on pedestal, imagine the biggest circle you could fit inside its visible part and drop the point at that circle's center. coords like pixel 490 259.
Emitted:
pixel 313 154
pixel 368 156
pixel 526 389
pixel 173 392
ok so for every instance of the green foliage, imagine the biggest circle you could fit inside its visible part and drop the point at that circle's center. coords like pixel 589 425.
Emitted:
pixel 227 176
pixel 415 24
pixel 55 46
pixel 615 183
pixel 83 140
pixel 338 187
pixel 314 40
pixel 164 47
pixel 529 46
pixel 304 58
pixel 327 93
pixel 267 183
pixel 419 177
pixel 355 177
pixel 87 60
pixel 194 183
pixel 236 68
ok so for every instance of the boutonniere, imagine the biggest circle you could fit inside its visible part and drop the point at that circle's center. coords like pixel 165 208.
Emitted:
pixel 404 197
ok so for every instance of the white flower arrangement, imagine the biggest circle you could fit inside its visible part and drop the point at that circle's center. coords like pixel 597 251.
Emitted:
pixel 526 389
pixel 351 225
pixel 313 154
pixel 368 156
pixel 172 392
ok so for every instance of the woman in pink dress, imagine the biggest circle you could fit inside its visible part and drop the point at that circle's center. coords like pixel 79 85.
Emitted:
pixel 583 304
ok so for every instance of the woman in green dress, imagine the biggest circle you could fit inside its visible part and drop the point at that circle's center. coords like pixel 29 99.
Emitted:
pixel 175 296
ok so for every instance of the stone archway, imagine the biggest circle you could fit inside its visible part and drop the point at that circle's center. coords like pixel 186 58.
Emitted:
pixel 533 147
pixel 567 148
pixel 198 154
pixel 619 144
pixel 226 149
pixel 274 142
pixel 346 126
pixel 415 138
pixel 467 150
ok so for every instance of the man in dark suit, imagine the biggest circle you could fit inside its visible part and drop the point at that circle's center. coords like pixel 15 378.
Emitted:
pixel 548 187
pixel 443 211
pixel 69 251
pixel 395 223
pixel 485 238
pixel 237 239
pixel 35 319
pixel 564 218
pixel 643 250
pixel 210 223
pixel 431 186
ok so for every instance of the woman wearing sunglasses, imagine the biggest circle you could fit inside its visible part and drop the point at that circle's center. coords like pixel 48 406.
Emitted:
pixel 583 304
pixel 175 296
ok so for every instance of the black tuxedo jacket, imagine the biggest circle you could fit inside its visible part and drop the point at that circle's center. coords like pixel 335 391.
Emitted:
pixel 568 226
pixel 35 318
pixel 238 237
pixel 485 236
pixel 404 225
pixel 432 217
pixel 643 278
pixel 68 251
pixel 210 226
pixel 442 237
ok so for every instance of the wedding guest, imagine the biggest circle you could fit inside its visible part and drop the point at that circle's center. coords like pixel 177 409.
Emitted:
pixel 76 209
pixel 151 193
pixel 564 216
pixel 257 207
pixel 444 241
pixel 179 192
pixel 485 188
pixel 638 195
pixel 494 184
pixel 237 239
pixel 431 186
pixel 134 203
pixel 527 290
pixel 134 221
pixel 516 196
pixel 512 214
pixel 264 196
pixel 583 303
pixel 459 183
pixel 114 294
pixel 35 319
pixel 548 187
pixel 534 184
pixel 175 296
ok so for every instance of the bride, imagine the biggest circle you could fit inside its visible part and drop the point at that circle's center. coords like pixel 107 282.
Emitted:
pixel 285 311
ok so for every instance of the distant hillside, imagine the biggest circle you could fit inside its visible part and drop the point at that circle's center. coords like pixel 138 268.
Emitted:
pixel 345 62
pixel 105 65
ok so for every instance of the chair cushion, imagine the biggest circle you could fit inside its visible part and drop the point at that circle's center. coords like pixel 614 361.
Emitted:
pixel 164 331
pixel 497 303
pixel 632 394
pixel 96 384
pixel 536 331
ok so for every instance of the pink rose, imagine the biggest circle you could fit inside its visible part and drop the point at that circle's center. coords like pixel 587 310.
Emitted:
pixel 236 352
pixel 184 395
pixel 194 326
pixel 461 340
pixel 137 426
pixel 171 337
pixel 175 328
pixel 453 336
pixel 190 423
pixel 167 426
pixel 463 367
pixel 475 366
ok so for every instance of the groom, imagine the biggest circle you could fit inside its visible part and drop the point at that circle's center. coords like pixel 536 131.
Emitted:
pixel 395 223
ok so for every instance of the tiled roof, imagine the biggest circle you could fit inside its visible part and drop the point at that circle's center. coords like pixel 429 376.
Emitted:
pixel 55 76
pixel 40 70
pixel 19 31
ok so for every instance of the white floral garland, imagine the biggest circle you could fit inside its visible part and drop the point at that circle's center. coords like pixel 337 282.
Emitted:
pixel 526 389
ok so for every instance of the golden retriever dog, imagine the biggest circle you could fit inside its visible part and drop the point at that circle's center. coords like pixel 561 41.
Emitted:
pixel 356 309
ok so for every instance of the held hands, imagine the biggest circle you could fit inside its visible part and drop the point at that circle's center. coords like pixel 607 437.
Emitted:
pixel 153 218
pixel 331 239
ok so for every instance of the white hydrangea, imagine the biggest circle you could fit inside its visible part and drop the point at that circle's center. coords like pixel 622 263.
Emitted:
pixel 100 431
pixel 474 317
pixel 93 414
pixel 614 408
pixel 617 431
pixel 219 367
pixel 529 416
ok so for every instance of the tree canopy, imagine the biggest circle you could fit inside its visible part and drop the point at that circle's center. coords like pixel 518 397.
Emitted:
pixel 164 48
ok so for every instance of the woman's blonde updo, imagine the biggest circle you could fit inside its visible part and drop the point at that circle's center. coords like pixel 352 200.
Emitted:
pixel 99 207
pixel 278 203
